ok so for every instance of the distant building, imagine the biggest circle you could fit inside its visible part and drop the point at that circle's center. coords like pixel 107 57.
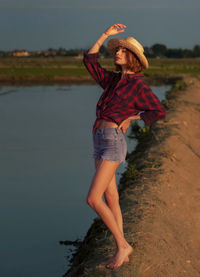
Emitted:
pixel 80 56
pixel 21 53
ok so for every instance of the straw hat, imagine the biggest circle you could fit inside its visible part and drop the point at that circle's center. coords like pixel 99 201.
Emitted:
pixel 131 44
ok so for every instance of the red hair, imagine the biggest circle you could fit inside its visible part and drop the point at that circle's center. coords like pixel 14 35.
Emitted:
pixel 133 63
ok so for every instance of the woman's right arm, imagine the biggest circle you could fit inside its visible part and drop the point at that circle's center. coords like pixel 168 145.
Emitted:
pixel 111 31
pixel 100 74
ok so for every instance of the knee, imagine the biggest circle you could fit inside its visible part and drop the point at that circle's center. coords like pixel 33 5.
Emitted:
pixel 92 201
pixel 112 199
pixel 89 200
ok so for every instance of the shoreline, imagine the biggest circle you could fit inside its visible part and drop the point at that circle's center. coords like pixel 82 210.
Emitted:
pixel 83 80
pixel 152 219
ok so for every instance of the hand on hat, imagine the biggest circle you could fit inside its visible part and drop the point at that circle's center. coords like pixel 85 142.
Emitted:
pixel 115 29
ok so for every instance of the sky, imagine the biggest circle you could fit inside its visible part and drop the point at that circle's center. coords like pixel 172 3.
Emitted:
pixel 42 24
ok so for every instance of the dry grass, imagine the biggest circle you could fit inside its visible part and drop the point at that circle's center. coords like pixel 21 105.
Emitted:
pixel 160 204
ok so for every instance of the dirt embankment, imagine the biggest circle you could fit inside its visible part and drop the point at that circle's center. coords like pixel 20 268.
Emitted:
pixel 160 200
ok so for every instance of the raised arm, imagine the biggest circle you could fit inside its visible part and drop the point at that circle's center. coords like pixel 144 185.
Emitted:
pixel 102 76
pixel 111 31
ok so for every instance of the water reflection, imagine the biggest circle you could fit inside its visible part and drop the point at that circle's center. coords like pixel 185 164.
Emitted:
pixel 5 92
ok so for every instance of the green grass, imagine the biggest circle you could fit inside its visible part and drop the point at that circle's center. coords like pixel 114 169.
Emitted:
pixel 22 68
pixel 42 72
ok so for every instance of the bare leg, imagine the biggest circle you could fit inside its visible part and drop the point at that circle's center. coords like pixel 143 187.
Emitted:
pixel 112 200
pixel 103 176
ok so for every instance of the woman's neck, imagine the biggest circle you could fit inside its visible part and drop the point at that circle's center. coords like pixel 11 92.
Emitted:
pixel 126 71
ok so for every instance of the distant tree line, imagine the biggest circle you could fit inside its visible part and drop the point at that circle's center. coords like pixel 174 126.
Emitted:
pixel 161 51
pixel 155 51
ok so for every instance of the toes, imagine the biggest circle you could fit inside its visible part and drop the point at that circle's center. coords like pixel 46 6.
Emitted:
pixel 108 261
pixel 105 263
pixel 114 264
pixel 110 264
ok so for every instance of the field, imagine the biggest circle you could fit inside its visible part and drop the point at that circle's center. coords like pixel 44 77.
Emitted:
pixel 65 69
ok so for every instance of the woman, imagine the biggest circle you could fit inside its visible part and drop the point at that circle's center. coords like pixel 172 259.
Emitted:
pixel 125 98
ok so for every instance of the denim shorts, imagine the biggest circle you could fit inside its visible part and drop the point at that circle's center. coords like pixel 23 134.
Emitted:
pixel 109 144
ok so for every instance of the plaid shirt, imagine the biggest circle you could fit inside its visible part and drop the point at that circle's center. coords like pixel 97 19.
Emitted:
pixel 122 97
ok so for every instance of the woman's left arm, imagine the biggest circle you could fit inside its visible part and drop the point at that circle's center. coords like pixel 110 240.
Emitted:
pixel 124 125
pixel 149 103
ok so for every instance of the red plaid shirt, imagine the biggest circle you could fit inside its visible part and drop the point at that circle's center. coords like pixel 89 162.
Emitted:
pixel 122 97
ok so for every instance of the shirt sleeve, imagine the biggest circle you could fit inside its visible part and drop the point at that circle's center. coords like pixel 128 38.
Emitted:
pixel 102 76
pixel 148 102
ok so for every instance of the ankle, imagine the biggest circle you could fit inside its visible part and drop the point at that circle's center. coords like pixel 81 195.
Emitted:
pixel 123 245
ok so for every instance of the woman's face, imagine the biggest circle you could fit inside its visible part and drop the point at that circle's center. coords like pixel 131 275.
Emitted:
pixel 120 56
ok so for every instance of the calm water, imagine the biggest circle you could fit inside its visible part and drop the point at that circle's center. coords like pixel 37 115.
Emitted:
pixel 46 167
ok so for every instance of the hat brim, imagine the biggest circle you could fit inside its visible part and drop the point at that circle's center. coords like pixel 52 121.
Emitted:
pixel 115 43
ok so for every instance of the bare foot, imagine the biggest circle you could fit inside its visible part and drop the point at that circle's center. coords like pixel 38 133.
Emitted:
pixel 126 260
pixel 119 258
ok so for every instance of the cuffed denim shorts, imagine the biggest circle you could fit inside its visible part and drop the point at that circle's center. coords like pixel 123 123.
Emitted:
pixel 109 144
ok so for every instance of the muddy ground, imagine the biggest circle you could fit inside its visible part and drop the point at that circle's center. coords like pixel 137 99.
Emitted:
pixel 160 200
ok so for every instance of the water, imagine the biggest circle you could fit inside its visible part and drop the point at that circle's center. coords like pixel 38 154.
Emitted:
pixel 46 167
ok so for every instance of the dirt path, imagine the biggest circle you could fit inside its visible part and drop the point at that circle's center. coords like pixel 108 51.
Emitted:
pixel 161 207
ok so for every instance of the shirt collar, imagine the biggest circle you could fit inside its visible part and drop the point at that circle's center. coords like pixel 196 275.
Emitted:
pixel 132 76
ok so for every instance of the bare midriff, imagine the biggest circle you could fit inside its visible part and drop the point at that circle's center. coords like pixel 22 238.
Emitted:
pixel 106 124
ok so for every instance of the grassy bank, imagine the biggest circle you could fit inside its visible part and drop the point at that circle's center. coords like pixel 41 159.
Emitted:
pixel 98 241
pixel 21 70
pixel 156 193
